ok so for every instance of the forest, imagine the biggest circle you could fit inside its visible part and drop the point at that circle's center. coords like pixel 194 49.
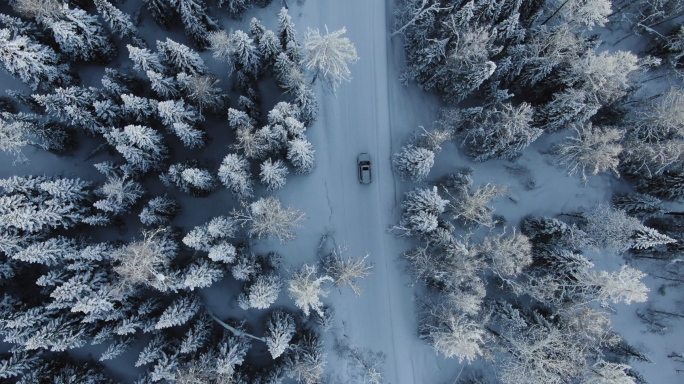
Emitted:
pixel 178 204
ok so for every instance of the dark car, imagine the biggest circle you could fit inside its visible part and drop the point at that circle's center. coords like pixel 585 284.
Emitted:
pixel 364 168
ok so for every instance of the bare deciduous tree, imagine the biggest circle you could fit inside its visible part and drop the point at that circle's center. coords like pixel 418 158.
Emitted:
pixel 267 217
pixel 594 150
pixel 345 271
pixel 305 288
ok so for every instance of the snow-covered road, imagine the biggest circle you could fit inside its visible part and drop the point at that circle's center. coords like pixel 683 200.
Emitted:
pixel 366 115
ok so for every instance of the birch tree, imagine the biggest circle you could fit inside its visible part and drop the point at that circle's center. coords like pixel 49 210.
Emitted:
pixel 328 55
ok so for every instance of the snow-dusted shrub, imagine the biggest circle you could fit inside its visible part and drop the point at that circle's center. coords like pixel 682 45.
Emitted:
pixel 594 150
pixel 305 288
pixel 235 175
pixel 266 217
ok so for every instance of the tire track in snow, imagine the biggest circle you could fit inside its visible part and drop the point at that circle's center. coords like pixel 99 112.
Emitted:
pixel 378 138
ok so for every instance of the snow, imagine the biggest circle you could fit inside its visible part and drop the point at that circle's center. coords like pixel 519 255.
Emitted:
pixel 374 114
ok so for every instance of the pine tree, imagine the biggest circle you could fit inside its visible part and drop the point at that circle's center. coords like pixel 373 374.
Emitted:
pixel 301 154
pixel 26 206
pixel 20 130
pixel 246 267
pixel 142 147
pixel 139 109
pixel 289 74
pixel 212 237
pixel 223 252
pixel 73 105
pixel 202 274
pixel 180 57
pixel 160 211
pixel 118 194
pixel 198 335
pixel 639 205
pixel 648 238
pixel 119 22
pixel 263 291
pixel 501 131
pixel 189 178
pixel 153 350
pixel 35 64
pixel 269 48
pixel 413 162
pixel 245 52
pixel 305 99
pixel 120 346
pixel 422 208
pixel 164 86
pixel 144 60
pixel 179 312
pixel 668 185
pixel 568 109
pixel 306 361
pixel 79 34
pixel 328 56
pixel 273 174
pixel 286 29
pixel 235 7
pixel 235 175
pixel 196 21
pixel 162 12
pixel 280 328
